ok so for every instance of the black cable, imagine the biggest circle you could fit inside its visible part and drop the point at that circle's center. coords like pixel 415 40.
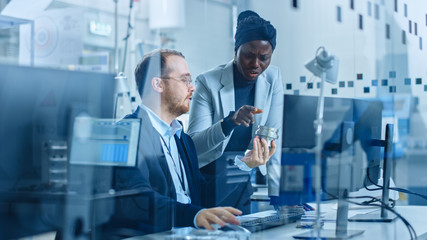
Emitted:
pixel 409 226
pixel 411 230
pixel 391 188
pixel 372 182
pixel 408 192
pixel 392 202
pixel 382 205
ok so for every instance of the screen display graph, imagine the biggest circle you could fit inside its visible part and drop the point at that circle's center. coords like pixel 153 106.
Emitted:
pixel 104 142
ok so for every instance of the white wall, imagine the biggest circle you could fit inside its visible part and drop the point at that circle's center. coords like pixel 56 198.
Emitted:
pixel 367 51
pixel 207 39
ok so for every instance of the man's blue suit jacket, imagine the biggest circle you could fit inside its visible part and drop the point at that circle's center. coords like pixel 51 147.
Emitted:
pixel 156 208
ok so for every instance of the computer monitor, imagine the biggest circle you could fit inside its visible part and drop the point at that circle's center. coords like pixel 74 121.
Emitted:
pixel 97 147
pixel 349 126
pixel 37 106
pixel 104 142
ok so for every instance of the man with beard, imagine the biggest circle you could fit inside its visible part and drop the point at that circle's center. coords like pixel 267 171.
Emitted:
pixel 172 188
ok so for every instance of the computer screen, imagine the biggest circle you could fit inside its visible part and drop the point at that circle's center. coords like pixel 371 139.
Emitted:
pixel 349 126
pixel 104 142
pixel 37 106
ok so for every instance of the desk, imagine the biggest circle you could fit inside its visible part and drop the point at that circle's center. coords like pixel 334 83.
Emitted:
pixel 416 215
pixel 72 214
pixel 378 231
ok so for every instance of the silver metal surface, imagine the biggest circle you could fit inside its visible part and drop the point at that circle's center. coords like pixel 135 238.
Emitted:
pixel 267 133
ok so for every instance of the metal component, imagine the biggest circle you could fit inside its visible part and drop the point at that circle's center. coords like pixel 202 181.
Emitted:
pixel 55 155
pixel 122 104
pixel 267 133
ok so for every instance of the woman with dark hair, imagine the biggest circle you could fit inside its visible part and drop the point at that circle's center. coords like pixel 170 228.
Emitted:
pixel 229 103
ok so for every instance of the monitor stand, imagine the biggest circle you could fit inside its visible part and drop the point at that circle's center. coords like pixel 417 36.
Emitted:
pixel 341 231
pixel 382 216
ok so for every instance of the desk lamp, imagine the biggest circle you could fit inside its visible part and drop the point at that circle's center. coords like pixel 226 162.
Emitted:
pixel 122 102
pixel 325 66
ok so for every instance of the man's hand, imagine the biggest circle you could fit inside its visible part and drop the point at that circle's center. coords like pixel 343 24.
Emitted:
pixel 260 154
pixel 218 215
pixel 245 115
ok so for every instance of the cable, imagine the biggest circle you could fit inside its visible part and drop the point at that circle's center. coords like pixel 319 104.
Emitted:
pixel 391 188
pixel 409 226
pixel 128 33
pixel 411 230
pixel 392 202
pixel 408 192
pixel 370 180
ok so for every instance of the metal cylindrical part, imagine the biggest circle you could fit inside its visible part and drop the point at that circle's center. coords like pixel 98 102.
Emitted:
pixel 267 133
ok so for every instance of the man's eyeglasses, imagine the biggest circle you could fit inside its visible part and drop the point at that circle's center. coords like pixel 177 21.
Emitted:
pixel 185 79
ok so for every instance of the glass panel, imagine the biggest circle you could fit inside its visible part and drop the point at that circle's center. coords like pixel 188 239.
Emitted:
pixel 77 75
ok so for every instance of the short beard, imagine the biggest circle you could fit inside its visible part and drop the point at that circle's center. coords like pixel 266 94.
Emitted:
pixel 173 105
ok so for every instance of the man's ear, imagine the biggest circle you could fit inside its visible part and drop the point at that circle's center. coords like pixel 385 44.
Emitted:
pixel 157 84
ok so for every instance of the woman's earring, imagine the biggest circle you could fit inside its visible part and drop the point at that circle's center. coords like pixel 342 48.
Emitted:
pixel 234 61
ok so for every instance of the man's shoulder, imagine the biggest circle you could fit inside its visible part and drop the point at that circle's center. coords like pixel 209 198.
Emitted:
pixel 132 115
pixel 187 138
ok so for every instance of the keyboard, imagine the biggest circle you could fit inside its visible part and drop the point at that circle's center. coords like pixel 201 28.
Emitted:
pixel 271 218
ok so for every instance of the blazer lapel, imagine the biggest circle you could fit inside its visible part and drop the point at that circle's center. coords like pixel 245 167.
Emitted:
pixel 186 162
pixel 150 140
pixel 227 91
pixel 262 89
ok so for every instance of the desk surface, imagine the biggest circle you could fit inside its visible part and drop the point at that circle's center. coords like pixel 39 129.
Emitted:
pixel 416 216
pixel 378 231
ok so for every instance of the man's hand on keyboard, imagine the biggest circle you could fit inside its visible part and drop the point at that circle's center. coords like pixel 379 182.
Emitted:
pixel 218 215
